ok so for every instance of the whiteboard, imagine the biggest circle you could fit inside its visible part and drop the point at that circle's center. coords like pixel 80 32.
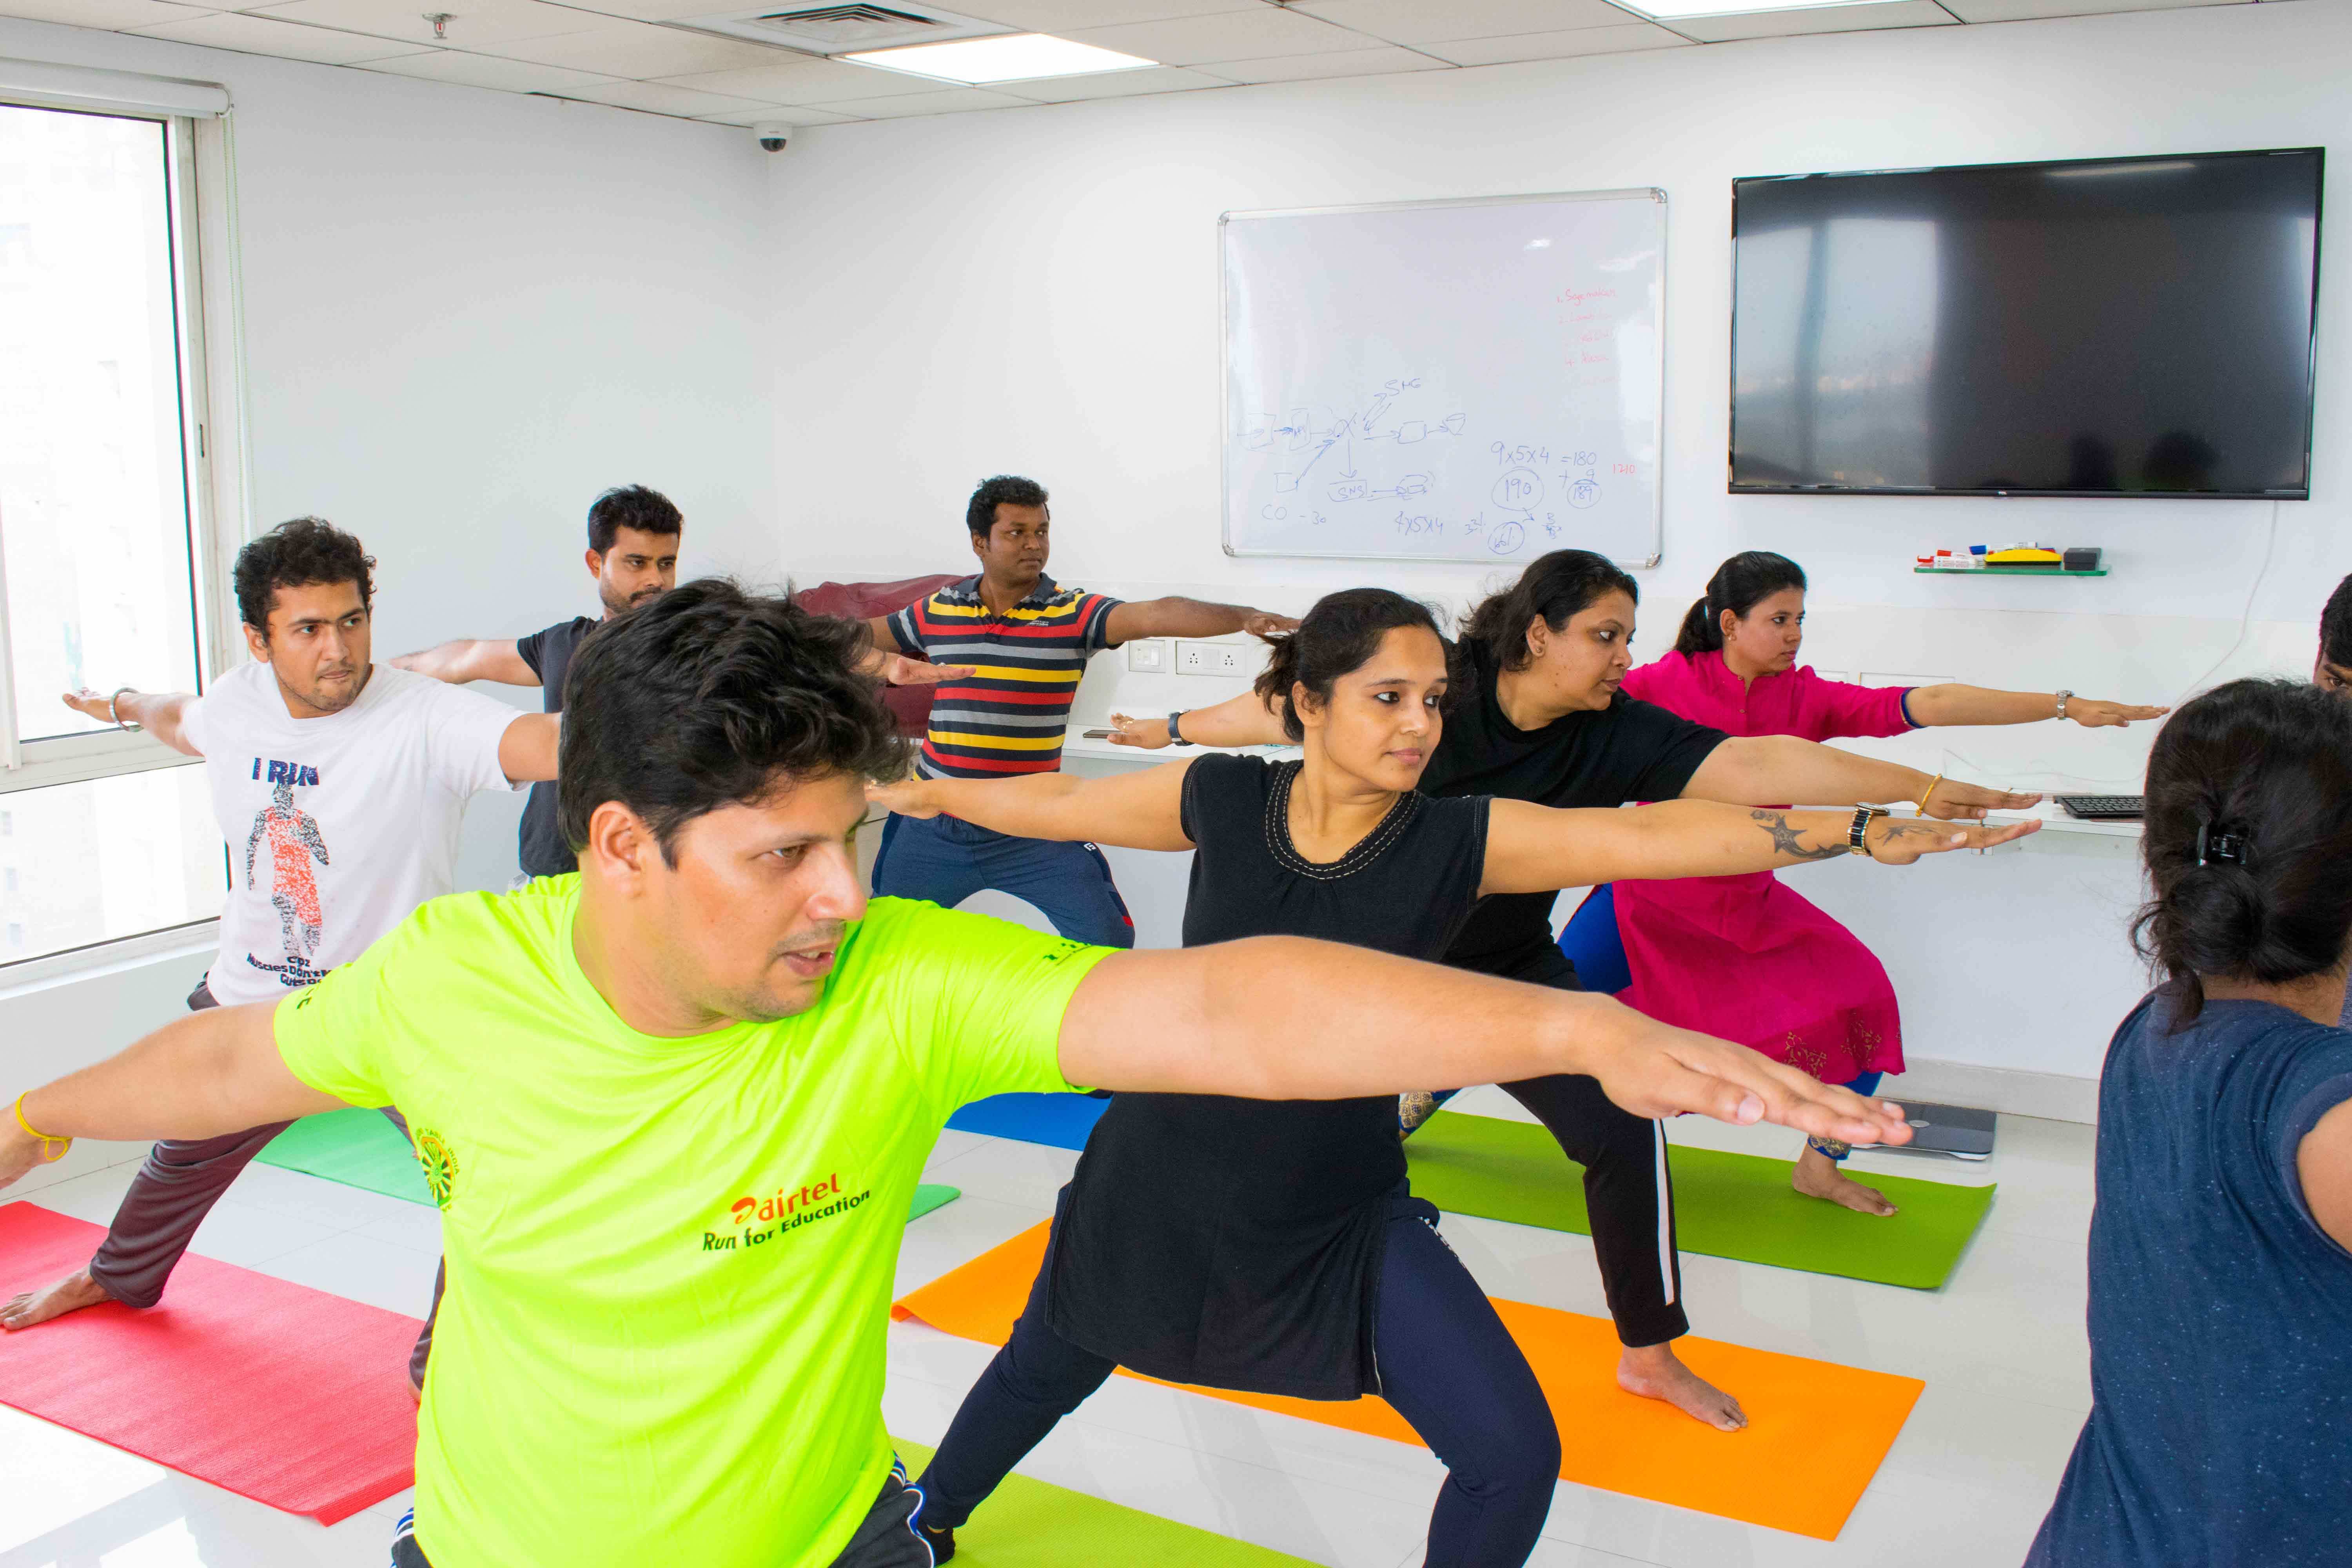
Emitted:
pixel 1478 380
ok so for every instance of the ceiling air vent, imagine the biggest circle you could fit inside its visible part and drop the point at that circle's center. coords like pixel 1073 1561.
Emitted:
pixel 840 29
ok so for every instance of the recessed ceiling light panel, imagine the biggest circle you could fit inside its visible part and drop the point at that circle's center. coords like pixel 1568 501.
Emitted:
pixel 1018 56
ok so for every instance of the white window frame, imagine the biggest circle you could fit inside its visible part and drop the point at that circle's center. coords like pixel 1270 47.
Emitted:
pixel 201 151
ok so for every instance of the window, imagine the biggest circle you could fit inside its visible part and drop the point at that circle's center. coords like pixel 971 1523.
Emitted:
pixel 109 551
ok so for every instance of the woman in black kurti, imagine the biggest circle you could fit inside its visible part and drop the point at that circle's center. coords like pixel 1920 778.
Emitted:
pixel 1273 1245
pixel 1537 717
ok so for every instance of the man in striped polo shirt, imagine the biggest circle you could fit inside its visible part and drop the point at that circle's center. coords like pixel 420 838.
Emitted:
pixel 1027 639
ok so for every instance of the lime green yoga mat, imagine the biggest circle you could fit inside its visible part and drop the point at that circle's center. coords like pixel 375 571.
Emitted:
pixel 1727 1205
pixel 1028 1524
pixel 363 1149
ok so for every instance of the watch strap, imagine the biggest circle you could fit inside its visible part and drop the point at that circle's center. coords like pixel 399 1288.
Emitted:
pixel 1857 837
pixel 1175 735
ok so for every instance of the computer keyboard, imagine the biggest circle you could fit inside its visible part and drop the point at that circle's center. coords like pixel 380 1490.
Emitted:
pixel 2105 807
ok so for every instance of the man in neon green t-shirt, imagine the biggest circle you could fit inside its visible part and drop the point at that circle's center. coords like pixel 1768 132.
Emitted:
pixel 673 1109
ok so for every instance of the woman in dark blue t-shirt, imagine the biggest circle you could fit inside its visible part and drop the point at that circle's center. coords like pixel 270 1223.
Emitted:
pixel 2220 1319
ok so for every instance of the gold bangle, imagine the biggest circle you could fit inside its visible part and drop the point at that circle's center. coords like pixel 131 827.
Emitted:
pixel 44 1139
pixel 1926 794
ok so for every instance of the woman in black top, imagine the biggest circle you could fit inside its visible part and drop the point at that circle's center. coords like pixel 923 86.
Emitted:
pixel 1537 717
pixel 1273 1245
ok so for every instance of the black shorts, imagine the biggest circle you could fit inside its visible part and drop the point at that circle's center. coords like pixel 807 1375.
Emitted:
pixel 885 1539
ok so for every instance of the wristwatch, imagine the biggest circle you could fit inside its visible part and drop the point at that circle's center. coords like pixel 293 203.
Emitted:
pixel 1176 736
pixel 1857 837
pixel 2063 697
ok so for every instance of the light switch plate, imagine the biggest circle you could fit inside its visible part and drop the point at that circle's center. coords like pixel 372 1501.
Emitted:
pixel 1147 655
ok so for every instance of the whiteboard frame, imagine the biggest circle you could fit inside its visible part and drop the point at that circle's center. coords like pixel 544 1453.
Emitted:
pixel 1225 377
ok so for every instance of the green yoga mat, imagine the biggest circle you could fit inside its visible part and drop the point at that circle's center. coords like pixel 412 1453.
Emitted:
pixel 1027 1523
pixel 363 1149
pixel 1727 1205
pixel 357 1148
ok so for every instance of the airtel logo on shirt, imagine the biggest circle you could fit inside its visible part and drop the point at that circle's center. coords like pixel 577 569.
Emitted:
pixel 783 1211
pixel 747 1211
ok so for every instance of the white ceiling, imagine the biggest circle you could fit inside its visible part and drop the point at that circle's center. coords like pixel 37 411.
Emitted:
pixel 617 52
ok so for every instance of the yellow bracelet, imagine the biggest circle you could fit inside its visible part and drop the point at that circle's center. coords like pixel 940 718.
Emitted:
pixel 1930 790
pixel 63 1144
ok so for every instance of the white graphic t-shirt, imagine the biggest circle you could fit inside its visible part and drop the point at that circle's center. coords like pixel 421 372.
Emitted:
pixel 338 827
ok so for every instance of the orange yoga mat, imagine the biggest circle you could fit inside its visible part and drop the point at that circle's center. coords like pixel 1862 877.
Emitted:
pixel 1816 1431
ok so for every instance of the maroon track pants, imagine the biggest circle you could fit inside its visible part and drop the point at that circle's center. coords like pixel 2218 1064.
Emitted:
pixel 175 1188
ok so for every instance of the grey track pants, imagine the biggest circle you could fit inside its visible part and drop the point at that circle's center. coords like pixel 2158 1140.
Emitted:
pixel 175 1188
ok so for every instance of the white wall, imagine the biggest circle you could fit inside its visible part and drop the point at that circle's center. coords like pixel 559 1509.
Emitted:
pixel 466 312
pixel 1036 292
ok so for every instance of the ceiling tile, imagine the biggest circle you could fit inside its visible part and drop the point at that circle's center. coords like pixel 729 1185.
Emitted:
pixel 1419 22
pixel 286 40
pixel 1061 15
pixel 1108 84
pixel 1620 39
pixel 1256 35
pixel 476 22
pixel 1818 19
pixel 638 50
pixel 2025 10
pixel 663 98
pixel 795 118
pixel 1382 61
pixel 953 101
pixel 791 80
pixel 111 14
pixel 488 70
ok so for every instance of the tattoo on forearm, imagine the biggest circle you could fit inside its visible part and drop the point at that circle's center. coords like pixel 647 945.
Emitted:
pixel 1784 837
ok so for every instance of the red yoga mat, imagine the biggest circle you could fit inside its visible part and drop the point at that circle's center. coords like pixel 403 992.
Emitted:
pixel 278 1392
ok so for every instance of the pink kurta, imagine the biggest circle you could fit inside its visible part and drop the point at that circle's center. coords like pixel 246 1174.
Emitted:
pixel 1745 957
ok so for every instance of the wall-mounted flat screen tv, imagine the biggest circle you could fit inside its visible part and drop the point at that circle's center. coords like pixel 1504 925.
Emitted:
pixel 2112 327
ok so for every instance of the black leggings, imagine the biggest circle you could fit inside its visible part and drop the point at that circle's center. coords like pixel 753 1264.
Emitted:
pixel 1445 1363
pixel 1628 1187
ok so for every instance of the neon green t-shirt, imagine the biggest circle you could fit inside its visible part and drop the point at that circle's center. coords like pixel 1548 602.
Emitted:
pixel 669 1261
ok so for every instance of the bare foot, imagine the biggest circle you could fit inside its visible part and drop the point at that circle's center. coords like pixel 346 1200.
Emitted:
pixel 1654 1372
pixel 70 1294
pixel 1818 1176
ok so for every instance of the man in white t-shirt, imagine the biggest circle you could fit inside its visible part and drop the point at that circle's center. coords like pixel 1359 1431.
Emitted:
pixel 340 786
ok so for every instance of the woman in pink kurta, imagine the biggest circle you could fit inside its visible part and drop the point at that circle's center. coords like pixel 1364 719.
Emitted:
pixel 1749 958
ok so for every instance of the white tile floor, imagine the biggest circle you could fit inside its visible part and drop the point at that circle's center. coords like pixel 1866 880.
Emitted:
pixel 2001 1349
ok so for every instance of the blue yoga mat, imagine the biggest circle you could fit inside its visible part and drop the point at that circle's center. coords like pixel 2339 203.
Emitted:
pixel 1061 1119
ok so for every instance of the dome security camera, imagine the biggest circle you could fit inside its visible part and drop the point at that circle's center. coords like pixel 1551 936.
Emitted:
pixel 772 134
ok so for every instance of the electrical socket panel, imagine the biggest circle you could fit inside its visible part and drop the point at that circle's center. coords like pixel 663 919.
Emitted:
pixel 1223 659
pixel 1147 655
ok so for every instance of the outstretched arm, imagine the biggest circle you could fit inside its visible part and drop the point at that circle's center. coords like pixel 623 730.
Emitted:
pixel 1244 721
pixel 1141 810
pixel 528 749
pixel 1956 704
pixel 1288 1018
pixel 157 712
pixel 1774 770
pixel 2322 1162
pixel 1180 617
pixel 211 1072
pixel 471 659
pixel 1531 847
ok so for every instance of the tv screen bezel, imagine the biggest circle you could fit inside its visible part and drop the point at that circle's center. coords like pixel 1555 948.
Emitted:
pixel 1733 486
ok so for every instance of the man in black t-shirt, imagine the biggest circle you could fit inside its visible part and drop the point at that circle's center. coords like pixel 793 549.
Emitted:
pixel 633 539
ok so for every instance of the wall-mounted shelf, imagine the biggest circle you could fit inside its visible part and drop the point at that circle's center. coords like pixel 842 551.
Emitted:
pixel 2003 572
